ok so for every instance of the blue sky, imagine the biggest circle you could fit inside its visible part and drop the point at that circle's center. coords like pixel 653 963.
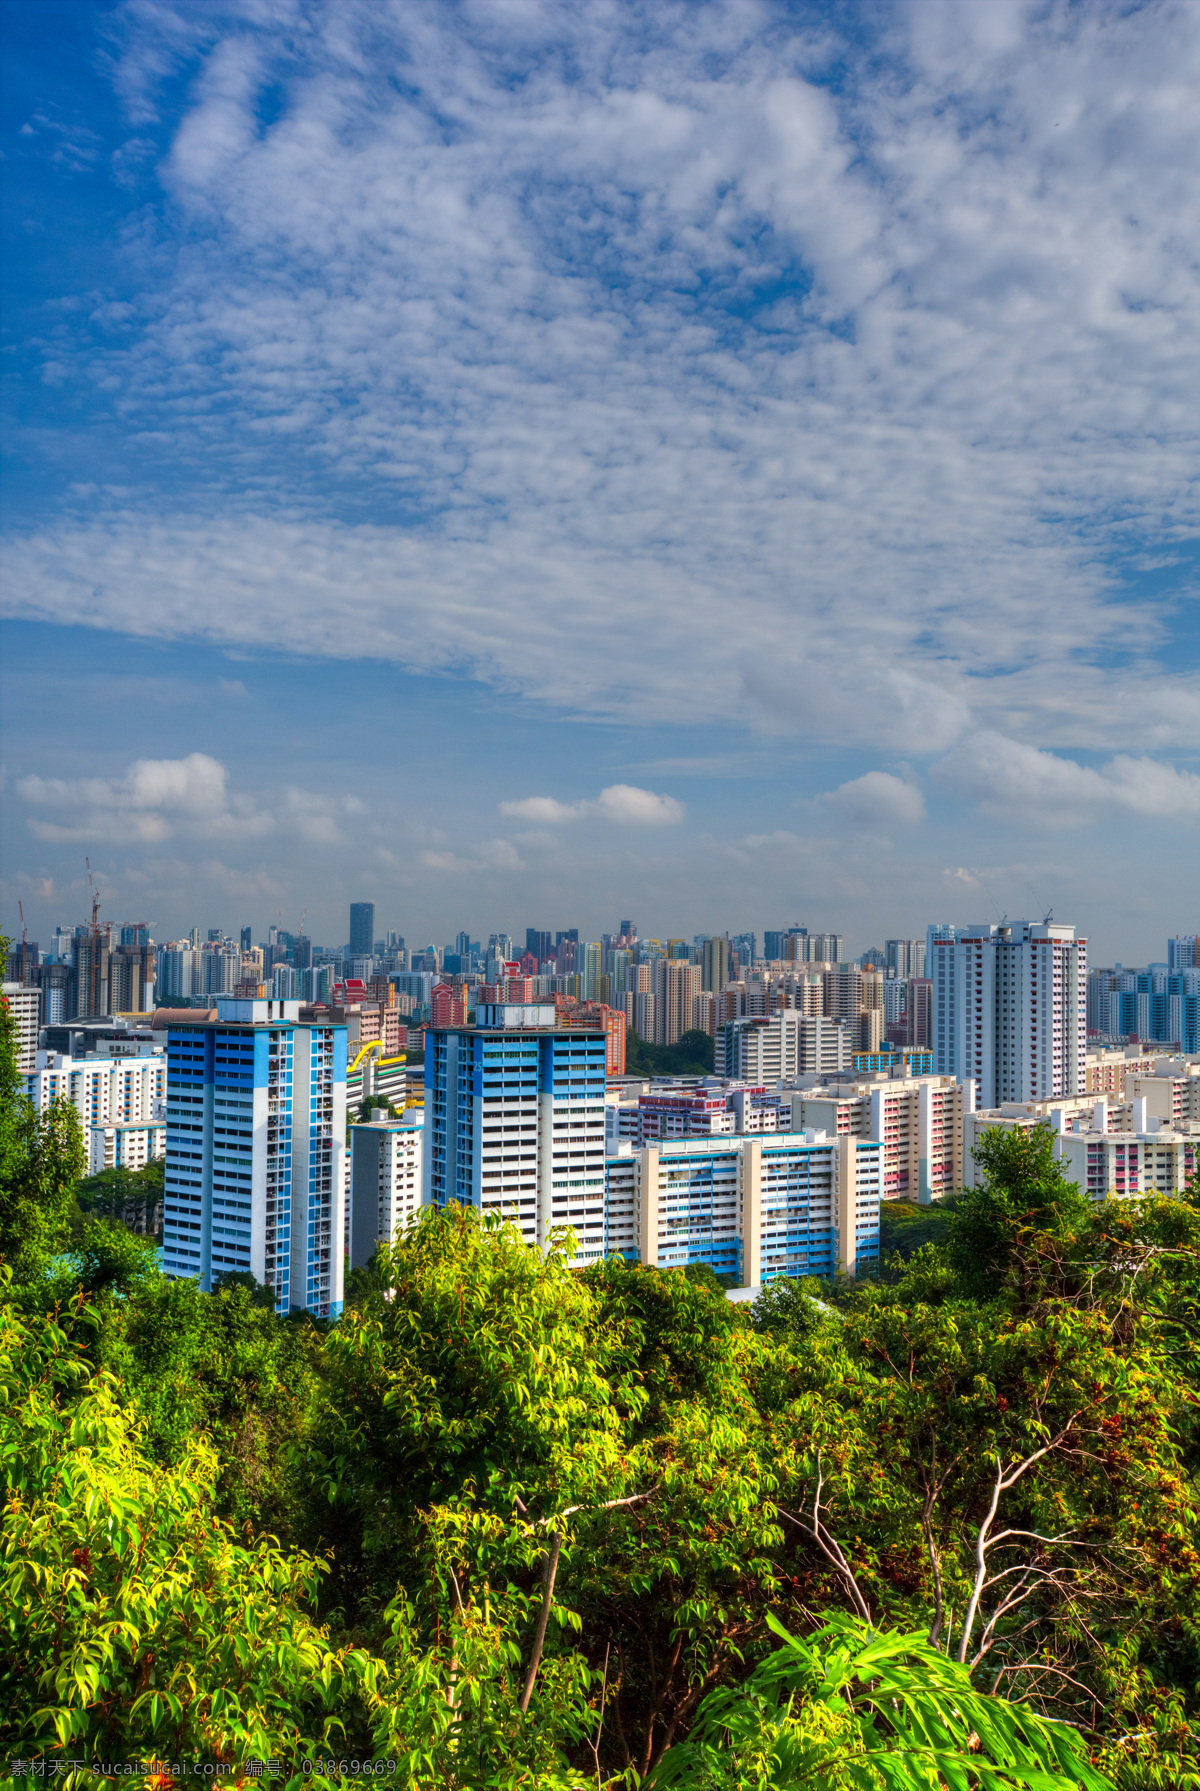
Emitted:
pixel 531 464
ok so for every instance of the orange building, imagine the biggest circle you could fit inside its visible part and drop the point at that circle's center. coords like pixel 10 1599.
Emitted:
pixel 595 1014
pixel 448 1006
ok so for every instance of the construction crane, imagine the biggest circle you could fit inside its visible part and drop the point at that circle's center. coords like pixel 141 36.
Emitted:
pixel 94 978
pixel 24 928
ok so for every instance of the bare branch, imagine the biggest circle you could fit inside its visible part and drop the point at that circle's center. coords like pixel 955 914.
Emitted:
pixel 543 1619
pixel 1006 1478
pixel 829 1545
pixel 609 1504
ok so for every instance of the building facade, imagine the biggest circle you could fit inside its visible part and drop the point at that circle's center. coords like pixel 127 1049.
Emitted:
pixel 514 1117
pixel 754 1208
pixel 25 1005
pixel 256 1119
pixel 1010 1009
pixel 362 929
pixel 386 1178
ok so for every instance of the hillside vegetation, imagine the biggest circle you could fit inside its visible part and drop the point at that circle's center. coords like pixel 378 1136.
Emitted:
pixel 508 1526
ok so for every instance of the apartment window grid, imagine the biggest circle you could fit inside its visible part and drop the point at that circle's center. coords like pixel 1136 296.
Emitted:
pixel 183 1202
pixel 504 1084
pixel 797 1214
pixel 573 1076
pixel 698 1212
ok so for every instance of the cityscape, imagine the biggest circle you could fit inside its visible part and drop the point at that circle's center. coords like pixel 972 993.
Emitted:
pixel 600 895
pixel 537 1085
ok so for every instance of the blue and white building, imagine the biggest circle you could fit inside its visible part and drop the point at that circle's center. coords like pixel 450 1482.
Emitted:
pixel 1010 1009
pixel 514 1123
pixel 256 1122
pixel 788 1204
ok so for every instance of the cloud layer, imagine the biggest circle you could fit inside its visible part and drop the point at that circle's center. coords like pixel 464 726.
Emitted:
pixel 1044 790
pixel 160 799
pixel 620 357
pixel 623 803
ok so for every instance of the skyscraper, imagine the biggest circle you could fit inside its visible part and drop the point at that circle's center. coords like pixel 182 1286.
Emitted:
pixel 362 929
pixel 714 967
pixel 904 957
pixel 514 1118
pixel 676 982
pixel 1010 1009
pixel 256 1118
pixel 247 938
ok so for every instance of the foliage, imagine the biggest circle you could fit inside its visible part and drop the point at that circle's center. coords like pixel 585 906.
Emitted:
pixel 517 1526
pixel 691 1056
pixel 1024 1196
pixel 372 1104
pixel 135 1626
pixel 904 1227
pixel 41 1158
pixel 849 1709
pixel 132 1197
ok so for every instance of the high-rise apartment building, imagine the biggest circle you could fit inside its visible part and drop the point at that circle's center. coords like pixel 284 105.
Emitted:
pixel 758 1208
pixel 175 975
pixel 676 983
pixel 24 962
pixel 919 1121
pixel 385 1181
pixel 787 1043
pixel 25 1005
pixel 904 957
pixel 256 1119
pixel 514 1123
pixel 119 1100
pixel 448 1006
pixel 1010 1009
pixel 587 964
pixel 919 1014
pixel 54 981
pixel 362 929
pixel 1183 952
pixel 714 964
pixel 641 1010
pixel 131 978
pixel 89 973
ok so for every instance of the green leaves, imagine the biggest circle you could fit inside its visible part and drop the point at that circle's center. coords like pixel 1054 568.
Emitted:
pixel 134 1621
pixel 853 1707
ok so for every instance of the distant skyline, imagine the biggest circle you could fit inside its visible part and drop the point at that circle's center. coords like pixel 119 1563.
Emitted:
pixel 525 464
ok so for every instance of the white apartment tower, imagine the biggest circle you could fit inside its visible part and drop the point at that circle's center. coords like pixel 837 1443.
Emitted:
pixel 385 1181
pixel 1010 1009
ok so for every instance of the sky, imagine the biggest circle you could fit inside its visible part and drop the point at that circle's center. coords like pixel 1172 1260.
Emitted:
pixel 719 465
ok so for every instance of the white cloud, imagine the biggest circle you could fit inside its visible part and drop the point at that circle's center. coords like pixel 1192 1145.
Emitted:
pixel 878 797
pixel 627 327
pixel 490 855
pixel 1044 790
pixel 161 798
pixel 624 804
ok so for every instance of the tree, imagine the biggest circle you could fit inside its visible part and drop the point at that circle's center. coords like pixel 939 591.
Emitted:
pixel 691 1056
pixel 851 1709
pixel 135 1625
pixel 1024 1197
pixel 41 1158
pixel 131 1197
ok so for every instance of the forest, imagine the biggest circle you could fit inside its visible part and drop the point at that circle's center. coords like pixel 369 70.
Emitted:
pixel 505 1525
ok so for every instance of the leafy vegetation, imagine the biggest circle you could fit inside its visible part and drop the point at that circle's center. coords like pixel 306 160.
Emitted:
pixel 904 1227
pixel 512 1526
pixel 692 1056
